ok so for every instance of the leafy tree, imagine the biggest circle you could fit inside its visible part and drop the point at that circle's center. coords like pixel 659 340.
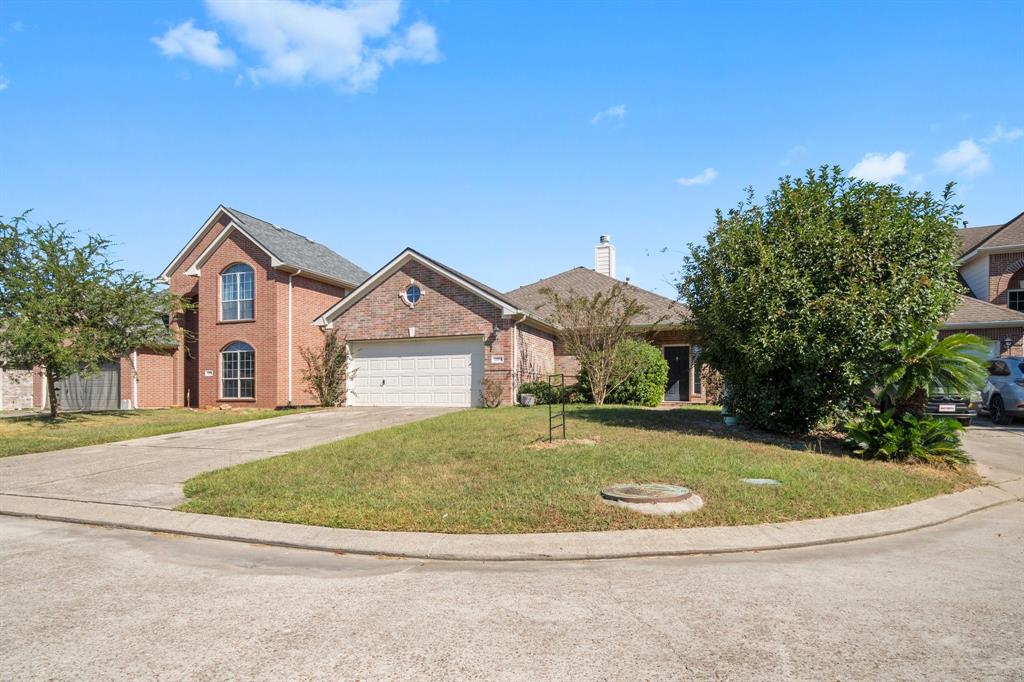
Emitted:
pixel 327 370
pixel 956 364
pixel 800 301
pixel 592 327
pixel 66 306
pixel 645 383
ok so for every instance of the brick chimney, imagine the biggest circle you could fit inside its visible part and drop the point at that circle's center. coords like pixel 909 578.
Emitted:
pixel 604 256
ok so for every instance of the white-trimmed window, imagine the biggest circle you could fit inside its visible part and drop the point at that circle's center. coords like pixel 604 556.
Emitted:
pixel 238 371
pixel 236 293
pixel 1015 299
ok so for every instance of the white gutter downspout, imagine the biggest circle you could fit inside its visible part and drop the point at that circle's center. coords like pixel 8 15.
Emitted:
pixel 515 357
pixel 135 379
pixel 290 335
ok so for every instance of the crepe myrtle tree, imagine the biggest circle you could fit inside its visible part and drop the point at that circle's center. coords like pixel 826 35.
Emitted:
pixel 326 370
pixel 67 307
pixel 804 302
pixel 591 329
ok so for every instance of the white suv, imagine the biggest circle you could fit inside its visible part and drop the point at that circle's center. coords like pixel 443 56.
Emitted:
pixel 1003 395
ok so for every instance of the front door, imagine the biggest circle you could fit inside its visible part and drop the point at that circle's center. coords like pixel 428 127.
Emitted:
pixel 678 358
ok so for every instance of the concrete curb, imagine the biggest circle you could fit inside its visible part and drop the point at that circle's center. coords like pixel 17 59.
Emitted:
pixel 525 547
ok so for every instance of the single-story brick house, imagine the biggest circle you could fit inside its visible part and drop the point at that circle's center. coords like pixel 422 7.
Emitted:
pixel 419 332
pixel 992 272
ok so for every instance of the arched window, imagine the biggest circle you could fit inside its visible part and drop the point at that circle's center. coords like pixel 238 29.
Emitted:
pixel 236 293
pixel 238 371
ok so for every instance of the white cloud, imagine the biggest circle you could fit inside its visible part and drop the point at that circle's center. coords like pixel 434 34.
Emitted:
pixel 4 83
pixel 199 45
pixel 1001 134
pixel 348 46
pixel 794 155
pixel 616 113
pixel 702 178
pixel 966 158
pixel 881 168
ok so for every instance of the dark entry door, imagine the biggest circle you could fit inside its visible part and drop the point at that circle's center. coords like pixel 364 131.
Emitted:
pixel 678 358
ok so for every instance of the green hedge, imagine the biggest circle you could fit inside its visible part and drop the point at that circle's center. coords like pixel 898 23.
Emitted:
pixel 646 385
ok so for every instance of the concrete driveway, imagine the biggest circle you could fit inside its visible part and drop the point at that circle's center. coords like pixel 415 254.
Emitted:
pixel 149 472
pixel 998 451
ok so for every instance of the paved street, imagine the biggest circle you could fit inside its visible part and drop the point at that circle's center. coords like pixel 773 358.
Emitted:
pixel 150 471
pixel 85 603
pixel 78 602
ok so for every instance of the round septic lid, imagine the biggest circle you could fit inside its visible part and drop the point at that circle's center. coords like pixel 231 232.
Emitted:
pixel 646 493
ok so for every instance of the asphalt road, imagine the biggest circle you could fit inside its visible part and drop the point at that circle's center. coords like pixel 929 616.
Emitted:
pixel 87 603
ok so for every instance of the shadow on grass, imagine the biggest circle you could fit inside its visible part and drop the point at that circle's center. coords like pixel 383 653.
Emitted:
pixel 701 421
pixel 67 417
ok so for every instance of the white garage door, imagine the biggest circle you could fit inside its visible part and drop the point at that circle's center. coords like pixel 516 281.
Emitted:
pixel 428 372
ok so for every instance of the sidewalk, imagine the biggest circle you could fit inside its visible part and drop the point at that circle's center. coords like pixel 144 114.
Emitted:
pixel 996 452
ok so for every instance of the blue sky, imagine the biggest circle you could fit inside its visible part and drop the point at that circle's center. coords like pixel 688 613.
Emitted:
pixel 500 138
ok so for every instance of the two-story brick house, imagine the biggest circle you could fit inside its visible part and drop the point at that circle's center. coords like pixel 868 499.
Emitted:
pixel 992 271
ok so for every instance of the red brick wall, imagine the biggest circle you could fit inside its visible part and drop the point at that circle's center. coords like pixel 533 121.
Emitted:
pixel 536 354
pixel 310 299
pixel 446 309
pixel 187 364
pixel 1002 268
pixel 1015 334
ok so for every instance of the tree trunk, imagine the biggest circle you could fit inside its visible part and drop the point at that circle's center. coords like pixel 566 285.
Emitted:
pixel 51 390
pixel 914 405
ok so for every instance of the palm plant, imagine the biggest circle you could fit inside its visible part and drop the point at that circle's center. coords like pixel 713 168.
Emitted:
pixel 907 438
pixel 956 363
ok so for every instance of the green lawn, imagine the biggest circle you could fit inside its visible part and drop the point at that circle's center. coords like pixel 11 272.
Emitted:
pixel 476 472
pixel 36 433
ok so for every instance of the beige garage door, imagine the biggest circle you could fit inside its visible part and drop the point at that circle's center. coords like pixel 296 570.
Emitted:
pixel 427 372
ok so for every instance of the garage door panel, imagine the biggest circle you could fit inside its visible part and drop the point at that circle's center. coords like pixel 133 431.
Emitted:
pixel 428 372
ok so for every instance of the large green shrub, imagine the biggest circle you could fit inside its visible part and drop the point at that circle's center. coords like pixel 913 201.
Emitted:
pixel 908 437
pixel 543 391
pixel 645 384
pixel 803 301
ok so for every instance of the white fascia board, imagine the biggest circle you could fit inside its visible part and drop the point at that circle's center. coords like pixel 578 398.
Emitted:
pixel 215 244
pixel 200 233
pixel 983 325
pixel 310 274
pixel 327 319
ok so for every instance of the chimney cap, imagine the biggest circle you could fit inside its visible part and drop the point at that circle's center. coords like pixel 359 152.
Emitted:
pixel 605 239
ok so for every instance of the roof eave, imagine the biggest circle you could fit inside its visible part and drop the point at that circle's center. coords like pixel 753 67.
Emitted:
pixel 994 324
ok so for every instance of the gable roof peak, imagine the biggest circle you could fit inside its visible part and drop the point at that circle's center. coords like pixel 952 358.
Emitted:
pixel 285 247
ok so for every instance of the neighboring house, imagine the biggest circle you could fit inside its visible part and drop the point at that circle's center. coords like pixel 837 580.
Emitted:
pixel 418 331
pixel 15 388
pixel 992 270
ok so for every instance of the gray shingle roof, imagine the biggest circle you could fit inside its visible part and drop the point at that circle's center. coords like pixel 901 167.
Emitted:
pixel 974 311
pixel 294 249
pixel 587 282
pixel 1010 233
pixel 970 237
